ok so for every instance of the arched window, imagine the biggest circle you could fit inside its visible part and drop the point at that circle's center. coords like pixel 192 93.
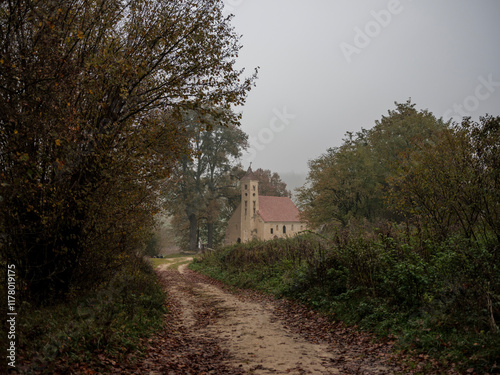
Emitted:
pixel 284 229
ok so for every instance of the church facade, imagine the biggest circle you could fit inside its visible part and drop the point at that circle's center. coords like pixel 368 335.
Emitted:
pixel 262 217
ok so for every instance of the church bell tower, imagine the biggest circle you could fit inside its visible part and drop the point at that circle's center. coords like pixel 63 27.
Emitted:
pixel 249 205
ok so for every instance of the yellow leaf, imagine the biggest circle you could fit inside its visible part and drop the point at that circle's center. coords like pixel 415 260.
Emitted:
pixel 58 142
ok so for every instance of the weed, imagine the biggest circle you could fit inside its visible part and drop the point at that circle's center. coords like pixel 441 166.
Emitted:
pixel 111 321
pixel 441 299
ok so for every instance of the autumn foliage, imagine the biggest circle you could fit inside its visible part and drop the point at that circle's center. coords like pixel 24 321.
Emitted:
pixel 453 184
pixel 407 242
pixel 90 96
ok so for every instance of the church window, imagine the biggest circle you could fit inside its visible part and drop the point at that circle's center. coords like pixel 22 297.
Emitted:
pixel 246 187
pixel 271 230
pixel 253 187
pixel 284 229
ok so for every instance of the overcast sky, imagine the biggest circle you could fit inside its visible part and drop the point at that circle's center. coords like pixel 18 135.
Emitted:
pixel 332 66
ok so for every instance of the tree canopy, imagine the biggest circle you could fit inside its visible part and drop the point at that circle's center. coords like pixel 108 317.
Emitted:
pixel 202 183
pixel 270 184
pixel 349 181
pixel 453 184
pixel 91 94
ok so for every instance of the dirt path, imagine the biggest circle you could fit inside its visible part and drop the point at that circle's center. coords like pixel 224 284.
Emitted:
pixel 217 332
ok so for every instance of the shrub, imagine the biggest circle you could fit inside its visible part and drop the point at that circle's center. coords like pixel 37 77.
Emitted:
pixel 110 321
pixel 442 298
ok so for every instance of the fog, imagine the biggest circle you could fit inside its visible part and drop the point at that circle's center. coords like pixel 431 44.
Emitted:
pixel 330 66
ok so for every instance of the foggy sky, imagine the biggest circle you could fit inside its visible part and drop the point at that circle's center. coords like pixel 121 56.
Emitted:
pixel 331 66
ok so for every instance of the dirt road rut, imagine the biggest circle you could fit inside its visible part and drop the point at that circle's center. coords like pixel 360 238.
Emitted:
pixel 217 332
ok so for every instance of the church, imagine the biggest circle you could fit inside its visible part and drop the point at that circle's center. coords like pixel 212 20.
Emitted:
pixel 262 217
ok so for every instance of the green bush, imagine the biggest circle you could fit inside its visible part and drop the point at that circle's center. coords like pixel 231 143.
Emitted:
pixel 442 298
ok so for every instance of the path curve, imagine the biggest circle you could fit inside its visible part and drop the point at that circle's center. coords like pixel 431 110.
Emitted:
pixel 248 335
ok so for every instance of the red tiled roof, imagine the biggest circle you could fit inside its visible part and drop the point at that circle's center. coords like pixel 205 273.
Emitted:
pixel 278 209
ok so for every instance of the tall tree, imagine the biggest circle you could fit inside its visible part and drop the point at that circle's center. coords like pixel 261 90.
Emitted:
pixel 348 182
pixel 223 147
pixel 270 183
pixel 90 96
pixel 203 178
pixel 453 184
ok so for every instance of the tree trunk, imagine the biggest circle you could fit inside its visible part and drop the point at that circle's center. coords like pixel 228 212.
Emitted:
pixel 210 235
pixel 193 226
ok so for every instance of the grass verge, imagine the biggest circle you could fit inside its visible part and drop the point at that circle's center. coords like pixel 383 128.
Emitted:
pixel 98 329
pixel 438 299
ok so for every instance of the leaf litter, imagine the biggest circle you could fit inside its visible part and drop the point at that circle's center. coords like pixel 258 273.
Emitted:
pixel 211 328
